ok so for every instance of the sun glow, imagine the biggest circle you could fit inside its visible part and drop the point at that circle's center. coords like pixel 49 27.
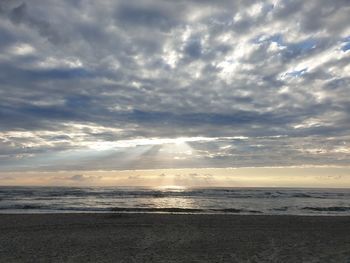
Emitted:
pixel 171 188
pixel 178 142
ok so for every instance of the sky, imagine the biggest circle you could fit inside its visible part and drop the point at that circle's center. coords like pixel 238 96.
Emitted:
pixel 105 92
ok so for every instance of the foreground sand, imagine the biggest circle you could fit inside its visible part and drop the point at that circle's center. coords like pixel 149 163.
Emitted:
pixel 173 238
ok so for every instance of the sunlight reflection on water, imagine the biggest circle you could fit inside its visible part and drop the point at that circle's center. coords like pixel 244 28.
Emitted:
pixel 175 201
pixel 178 202
pixel 171 188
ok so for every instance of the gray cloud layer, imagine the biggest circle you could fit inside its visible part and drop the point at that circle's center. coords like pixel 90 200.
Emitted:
pixel 82 76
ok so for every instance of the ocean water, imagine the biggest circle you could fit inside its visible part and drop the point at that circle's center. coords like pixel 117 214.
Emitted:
pixel 268 201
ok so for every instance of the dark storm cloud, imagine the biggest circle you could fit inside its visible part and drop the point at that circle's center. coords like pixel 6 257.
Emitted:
pixel 78 76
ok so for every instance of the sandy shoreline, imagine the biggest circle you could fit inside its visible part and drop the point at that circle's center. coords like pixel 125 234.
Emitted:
pixel 173 238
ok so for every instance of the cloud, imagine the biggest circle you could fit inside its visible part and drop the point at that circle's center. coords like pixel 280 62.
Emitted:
pixel 77 177
pixel 80 178
pixel 20 15
pixel 84 97
pixel 7 178
pixel 134 177
pixel 148 14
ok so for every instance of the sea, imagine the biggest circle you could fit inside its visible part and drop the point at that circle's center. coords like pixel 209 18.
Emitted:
pixel 257 201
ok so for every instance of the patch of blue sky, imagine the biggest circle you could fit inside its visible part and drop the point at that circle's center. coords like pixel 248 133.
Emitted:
pixel 296 73
pixel 346 44
pixel 298 47
pixel 277 38
pixel 306 45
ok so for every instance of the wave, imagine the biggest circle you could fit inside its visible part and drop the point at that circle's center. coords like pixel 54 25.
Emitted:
pixel 24 207
pixel 235 210
pixel 302 195
pixel 127 209
pixel 328 209
pixel 163 209
pixel 182 210
pixel 281 209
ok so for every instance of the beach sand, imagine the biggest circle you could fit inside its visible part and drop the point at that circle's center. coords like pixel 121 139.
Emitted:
pixel 173 238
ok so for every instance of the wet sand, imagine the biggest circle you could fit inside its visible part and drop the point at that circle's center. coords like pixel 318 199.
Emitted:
pixel 173 238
